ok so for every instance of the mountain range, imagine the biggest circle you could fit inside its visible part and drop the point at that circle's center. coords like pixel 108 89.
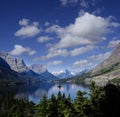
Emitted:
pixel 15 68
pixel 64 74
pixel 10 67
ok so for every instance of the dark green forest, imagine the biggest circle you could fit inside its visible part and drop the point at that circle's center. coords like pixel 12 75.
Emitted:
pixel 100 102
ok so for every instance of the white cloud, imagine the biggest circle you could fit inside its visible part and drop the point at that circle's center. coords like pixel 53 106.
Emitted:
pixel 87 29
pixel 91 61
pixel 84 3
pixel 55 52
pixel 32 52
pixel 81 50
pixel 24 22
pixel 19 49
pixel 99 58
pixel 47 23
pixel 82 63
pixel 98 11
pixel 57 62
pixel 113 43
pixel 28 29
pixel 43 39
pixel 65 2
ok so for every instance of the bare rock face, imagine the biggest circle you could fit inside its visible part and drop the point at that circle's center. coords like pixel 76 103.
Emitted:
pixel 16 64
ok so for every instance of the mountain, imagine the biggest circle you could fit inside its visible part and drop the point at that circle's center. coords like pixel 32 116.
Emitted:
pixel 108 70
pixel 4 64
pixel 18 65
pixel 42 70
pixel 7 75
pixel 64 74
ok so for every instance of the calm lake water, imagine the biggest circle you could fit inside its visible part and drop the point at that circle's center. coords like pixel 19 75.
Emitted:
pixel 35 92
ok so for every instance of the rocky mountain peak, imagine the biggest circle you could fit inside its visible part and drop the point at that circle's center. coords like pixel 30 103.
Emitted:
pixel 16 64
pixel 38 68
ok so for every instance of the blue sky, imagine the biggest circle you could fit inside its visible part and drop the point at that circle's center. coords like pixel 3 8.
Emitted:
pixel 61 34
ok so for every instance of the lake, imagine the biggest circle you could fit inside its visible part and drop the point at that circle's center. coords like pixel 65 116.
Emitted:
pixel 35 92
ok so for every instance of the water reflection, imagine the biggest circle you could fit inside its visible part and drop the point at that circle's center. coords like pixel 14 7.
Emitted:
pixel 35 92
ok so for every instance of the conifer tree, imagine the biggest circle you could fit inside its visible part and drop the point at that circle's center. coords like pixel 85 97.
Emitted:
pixel 52 106
pixel 80 104
pixel 42 107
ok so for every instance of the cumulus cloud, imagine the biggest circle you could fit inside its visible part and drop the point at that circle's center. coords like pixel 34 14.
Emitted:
pixel 87 29
pixel 79 37
pixel 57 62
pixel 43 39
pixel 19 49
pixel 27 29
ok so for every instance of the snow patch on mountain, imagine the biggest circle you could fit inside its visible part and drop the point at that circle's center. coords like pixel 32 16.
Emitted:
pixel 64 73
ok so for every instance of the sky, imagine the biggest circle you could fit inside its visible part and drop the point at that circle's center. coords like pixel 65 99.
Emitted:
pixel 61 34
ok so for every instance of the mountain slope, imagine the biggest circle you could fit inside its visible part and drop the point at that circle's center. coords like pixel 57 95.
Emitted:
pixel 42 70
pixel 4 64
pixel 7 75
pixel 110 62
pixel 10 77
pixel 106 71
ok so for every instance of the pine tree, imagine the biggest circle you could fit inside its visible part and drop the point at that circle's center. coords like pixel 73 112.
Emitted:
pixel 42 107
pixel 69 110
pixel 80 104
pixel 52 106
pixel 60 104
pixel 96 94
